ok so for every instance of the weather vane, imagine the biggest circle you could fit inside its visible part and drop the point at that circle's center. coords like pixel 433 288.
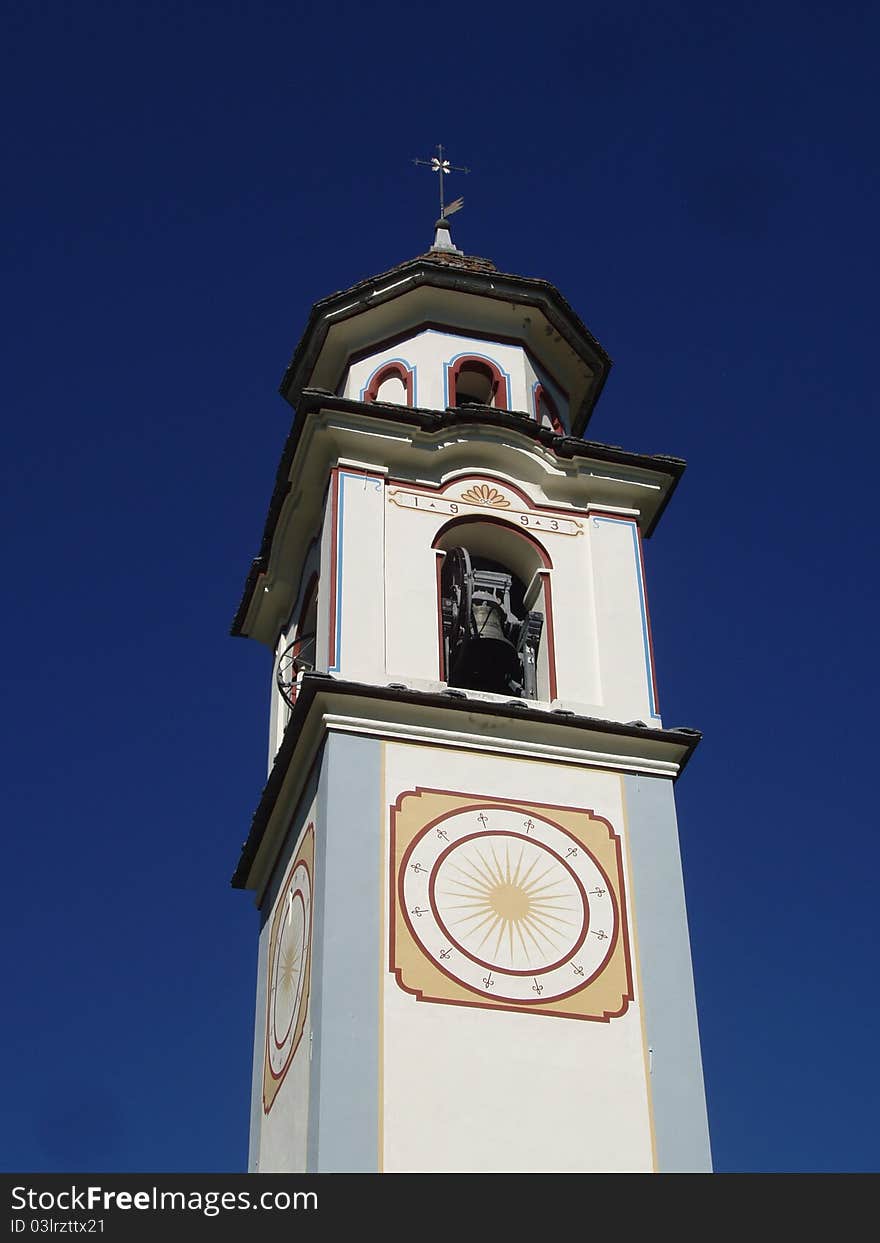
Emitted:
pixel 439 164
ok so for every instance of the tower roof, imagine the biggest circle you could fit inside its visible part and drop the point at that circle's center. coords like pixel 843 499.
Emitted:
pixel 464 295
pixel 461 291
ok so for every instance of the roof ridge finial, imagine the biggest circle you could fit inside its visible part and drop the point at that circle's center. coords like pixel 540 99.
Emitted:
pixel 440 165
pixel 443 238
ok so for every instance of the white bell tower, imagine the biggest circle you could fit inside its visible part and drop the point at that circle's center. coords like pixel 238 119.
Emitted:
pixel 474 951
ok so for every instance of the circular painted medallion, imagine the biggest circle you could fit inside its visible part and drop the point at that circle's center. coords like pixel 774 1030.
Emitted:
pixel 510 906
pixel 287 968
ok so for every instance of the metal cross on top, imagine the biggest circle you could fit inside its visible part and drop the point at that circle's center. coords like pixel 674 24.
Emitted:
pixel 439 164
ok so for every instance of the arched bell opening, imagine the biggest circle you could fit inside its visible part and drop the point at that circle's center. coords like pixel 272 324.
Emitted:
pixel 494 610
pixel 391 382
pixel 476 381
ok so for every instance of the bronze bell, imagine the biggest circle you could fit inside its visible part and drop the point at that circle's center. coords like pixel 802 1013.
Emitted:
pixel 487 659
pixel 488 646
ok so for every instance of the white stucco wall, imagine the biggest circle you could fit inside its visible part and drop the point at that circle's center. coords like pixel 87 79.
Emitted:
pixel 378 600
pixel 473 1089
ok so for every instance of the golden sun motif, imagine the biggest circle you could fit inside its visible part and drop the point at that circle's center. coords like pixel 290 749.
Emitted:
pixel 509 903
pixel 288 971
pixel 500 906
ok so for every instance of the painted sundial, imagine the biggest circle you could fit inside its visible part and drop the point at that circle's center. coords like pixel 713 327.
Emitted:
pixel 510 905
pixel 288 969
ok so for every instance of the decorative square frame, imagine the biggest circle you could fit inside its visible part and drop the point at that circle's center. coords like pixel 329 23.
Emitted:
pixel 417 812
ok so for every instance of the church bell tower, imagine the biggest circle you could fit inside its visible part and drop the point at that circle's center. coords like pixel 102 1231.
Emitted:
pixel 474 951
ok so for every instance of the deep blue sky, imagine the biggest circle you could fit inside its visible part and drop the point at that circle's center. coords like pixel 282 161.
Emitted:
pixel 183 181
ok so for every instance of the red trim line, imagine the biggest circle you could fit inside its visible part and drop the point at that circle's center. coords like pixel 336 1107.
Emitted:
pixel 441 556
pixel 334 523
pixel 386 372
pixel 551 642
pixel 476 362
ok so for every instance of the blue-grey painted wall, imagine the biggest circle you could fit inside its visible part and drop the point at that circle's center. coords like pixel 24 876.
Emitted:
pixel 344 1096
pixel 680 1122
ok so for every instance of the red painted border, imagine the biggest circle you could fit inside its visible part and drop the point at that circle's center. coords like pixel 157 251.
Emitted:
pixel 334 524
pixel 385 372
pixel 551 641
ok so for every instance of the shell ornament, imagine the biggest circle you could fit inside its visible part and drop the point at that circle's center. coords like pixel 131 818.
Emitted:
pixel 483 494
